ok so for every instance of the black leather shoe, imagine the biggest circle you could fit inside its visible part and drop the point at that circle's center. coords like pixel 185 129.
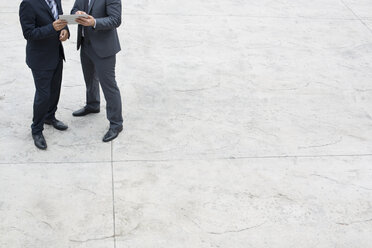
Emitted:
pixel 39 141
pixel 56 124
pixel 85 111
pixel 112 133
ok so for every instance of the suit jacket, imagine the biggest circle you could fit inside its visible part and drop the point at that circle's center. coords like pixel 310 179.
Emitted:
pixel 44 49
pixel 104 37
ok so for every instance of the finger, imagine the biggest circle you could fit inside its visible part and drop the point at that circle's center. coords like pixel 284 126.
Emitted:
pixel 80 21
pixel 61 24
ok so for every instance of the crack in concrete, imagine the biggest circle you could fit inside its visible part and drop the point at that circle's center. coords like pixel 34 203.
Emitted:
pixel 41 221
pixel 87 190
pixel 200 89
pixel 353 222
pixel 237 231
pixel 224 232
pixel 363 90
pixel 282 196
pixel 49 225
pixel 290 89
pixel 106 237
pixel 357 16
pixel 193 221
pixel 92 239
pixel 262 131
pixel 324 145
pixel 339 182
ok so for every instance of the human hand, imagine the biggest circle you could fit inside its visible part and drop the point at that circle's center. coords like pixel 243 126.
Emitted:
pixel 88 21
pixel 59 24
pixel 79 12
pixel 64 35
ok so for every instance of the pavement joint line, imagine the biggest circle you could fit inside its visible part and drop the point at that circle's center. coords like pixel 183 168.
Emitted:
pixel 113 193
pixel 243 16
pixel 357 16
pixel 248 157
pixel 199 159
pixel 56 162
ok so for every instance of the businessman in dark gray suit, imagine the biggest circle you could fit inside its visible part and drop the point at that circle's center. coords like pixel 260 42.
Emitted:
pixel 99 43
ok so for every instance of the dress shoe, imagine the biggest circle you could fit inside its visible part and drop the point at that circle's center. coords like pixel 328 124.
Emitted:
pixel 39 141
pixel 112 133
pixel 56 124
pixel 84 111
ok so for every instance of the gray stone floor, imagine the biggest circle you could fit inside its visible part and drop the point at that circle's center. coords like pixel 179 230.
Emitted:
pixel 247 124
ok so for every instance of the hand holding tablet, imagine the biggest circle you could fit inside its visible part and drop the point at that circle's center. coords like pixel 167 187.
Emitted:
pixel 71 19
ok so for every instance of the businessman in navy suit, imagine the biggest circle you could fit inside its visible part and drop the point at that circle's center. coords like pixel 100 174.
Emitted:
pixel 44 55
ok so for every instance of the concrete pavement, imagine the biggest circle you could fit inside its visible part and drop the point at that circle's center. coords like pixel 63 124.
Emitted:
pixel 247 124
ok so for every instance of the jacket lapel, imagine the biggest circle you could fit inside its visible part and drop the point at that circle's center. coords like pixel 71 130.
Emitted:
pixel 90 6
pixel 43 2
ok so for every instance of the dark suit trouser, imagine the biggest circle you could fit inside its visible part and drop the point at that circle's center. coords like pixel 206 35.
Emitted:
pixel 97 71
pixel 48 89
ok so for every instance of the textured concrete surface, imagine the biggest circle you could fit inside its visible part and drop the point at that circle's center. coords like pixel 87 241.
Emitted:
pixel 247 124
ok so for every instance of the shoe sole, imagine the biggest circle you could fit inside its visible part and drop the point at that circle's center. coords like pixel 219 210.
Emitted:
pixel 78 115
pixel 61 129
pixel 41 148
pixel 113 137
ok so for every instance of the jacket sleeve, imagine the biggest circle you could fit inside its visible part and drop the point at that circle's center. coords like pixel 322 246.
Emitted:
pixel 28 22
pixel 60 12
pixel 68 30
pixel 113 19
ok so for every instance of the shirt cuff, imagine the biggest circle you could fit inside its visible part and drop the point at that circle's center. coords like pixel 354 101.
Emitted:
pixel 95 23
